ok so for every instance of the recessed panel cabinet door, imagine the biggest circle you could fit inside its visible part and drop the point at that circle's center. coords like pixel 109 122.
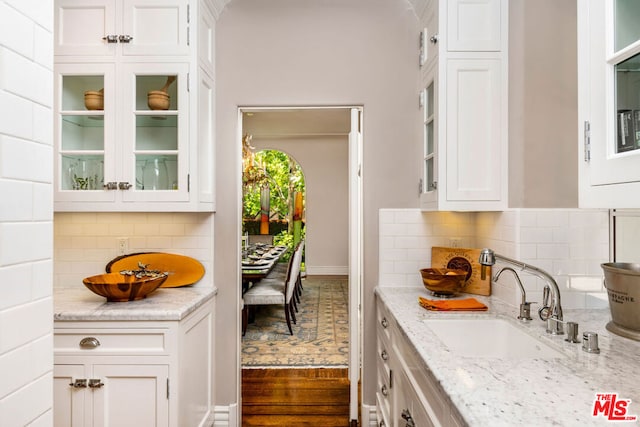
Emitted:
pixel 156 27
pixel 474 136
pixel 69 402
pixel 132 396
pixel 81 26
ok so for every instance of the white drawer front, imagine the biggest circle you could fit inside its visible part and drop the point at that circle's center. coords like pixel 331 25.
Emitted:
pixel 111 342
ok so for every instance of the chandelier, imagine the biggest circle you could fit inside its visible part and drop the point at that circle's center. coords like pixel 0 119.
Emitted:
pixel 253 173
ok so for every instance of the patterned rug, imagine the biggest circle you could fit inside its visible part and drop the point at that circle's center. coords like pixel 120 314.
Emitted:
pixel 320 337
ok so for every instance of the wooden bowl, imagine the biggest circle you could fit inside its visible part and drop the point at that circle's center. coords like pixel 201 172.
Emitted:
pixel 116 287
pixel 443 281
pixel 158 100
pixel 94 100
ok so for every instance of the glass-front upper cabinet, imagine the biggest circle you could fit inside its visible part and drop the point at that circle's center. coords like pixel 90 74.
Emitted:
pixel 609 101
pixel 429 183
pixel 83 124
pixel 121 142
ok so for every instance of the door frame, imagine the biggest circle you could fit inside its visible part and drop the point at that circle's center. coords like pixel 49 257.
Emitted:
pixel 356 256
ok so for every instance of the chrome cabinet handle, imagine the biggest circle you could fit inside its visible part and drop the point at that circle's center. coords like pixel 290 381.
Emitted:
pixel 111 185
pixel 125 38
pixel 79 383
pixel 434 39
pixel 384 390
pixel 384 322
pixel 111 38
pixel 95 383
pixel 384 355
pixel 124 185
pixel 89 342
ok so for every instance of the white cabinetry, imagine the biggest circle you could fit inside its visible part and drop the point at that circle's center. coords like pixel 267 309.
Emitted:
pixel 464 66
pixel 609 105
pixel 134 373
pixel 125 152
pixel 407 394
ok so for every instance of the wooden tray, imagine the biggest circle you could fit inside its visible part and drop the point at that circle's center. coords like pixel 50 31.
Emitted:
pixel 183 270
pixel 465 259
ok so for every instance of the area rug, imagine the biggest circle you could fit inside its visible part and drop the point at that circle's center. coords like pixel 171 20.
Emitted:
pixel 320 336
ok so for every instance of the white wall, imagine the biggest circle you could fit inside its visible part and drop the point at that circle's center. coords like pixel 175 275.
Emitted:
pixel 331 52
pixel 26 213
pixel 324 162
pixel 543 104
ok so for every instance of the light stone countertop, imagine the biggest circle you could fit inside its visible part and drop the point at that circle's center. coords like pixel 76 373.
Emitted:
pixel 80 304
pixel 524 392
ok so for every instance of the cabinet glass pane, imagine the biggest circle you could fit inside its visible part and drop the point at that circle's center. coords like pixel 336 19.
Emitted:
pixel 154 172
pixel 428 102
pixel 157 132
pixel 627 16
pixel 156 93
pixel 82 172
pixel 82 93
pixel 428 175
pixel 82 132
pixel 627 81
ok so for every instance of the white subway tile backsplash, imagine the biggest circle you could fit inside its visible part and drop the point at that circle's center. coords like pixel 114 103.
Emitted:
pixel 34 319
pixel 15 285
pixel 17 120
pixel 16 31
pixel 21 206
pixel 25 242
pixel 563 242
pixel 86 242
pixel 36 396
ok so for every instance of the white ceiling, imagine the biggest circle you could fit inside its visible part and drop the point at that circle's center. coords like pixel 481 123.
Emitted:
pixel 264 123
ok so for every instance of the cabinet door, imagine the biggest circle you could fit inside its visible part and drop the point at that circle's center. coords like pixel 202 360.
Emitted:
pixel 70 404
pixel 475 25
pixel 409 410
pixel 429 41
pixel 156 27
pixel 609 108
pixel 155 138
pixel 475 150
pixel 85 101
pixel 81 26
pixel 132 396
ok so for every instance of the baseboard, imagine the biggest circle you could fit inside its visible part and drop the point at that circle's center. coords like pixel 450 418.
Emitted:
pixel 369 416
pixel 226 416
pixel 327 270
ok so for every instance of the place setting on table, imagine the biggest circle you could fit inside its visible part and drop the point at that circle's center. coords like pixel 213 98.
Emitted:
pixel 259 259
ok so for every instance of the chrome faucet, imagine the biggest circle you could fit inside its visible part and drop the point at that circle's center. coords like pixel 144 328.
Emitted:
pixel 551 311
pixel 525 306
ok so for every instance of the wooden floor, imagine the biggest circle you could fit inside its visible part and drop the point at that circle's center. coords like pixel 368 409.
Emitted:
pixel 295 397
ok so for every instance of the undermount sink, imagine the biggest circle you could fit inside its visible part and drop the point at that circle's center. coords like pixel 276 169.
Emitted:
pixel 492 337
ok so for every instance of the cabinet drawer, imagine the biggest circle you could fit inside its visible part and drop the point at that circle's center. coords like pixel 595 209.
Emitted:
pixel 383 391
pixel 106 341
pixel 423 379
pixel 384 321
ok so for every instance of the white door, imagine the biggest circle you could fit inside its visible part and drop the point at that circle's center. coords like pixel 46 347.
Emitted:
pixel 355 256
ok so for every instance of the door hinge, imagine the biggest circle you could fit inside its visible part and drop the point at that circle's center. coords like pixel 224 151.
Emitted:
pixel 390 378
pixel 188 13
pixel 188 82
pixel 188 182
pixel 587 141
pixel 167 388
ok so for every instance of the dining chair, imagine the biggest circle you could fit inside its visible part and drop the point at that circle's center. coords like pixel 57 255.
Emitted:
pixel 272 292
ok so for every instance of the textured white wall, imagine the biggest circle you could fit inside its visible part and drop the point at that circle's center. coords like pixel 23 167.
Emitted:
pixel 26 213
pixel 297 53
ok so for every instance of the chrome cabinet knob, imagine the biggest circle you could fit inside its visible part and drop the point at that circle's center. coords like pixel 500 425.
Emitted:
pixel 111 185
pixel 434 39
pixel 95 383
pixel 384 322
pixel 384 355
pixel 406 415
pixel 79 383
pixel 111 38
pixel 125 38
pixel 384 390
pixel 124 185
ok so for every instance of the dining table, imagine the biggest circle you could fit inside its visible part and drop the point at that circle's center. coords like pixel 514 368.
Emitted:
pixel 258 261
